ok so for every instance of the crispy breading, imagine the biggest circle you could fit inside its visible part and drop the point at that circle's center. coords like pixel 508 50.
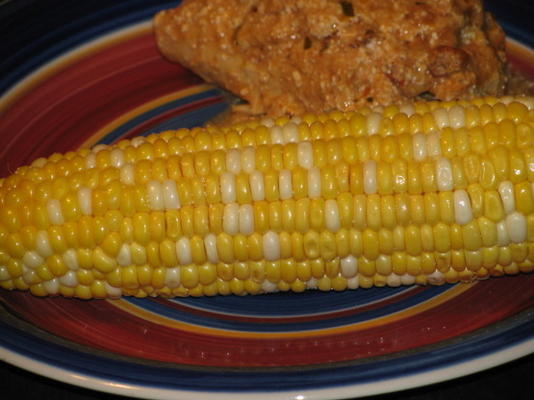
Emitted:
pixel 290 57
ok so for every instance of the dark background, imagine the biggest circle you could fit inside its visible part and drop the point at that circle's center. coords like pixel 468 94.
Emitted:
pixel 19 19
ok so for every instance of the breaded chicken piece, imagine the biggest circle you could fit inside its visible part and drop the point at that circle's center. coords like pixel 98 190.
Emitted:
pixel 291 57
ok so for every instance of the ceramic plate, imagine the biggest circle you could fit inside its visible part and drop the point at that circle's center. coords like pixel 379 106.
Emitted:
pixel 97 78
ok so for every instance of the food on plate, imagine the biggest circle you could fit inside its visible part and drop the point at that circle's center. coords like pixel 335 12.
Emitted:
pixel 422 193
pixel 319 55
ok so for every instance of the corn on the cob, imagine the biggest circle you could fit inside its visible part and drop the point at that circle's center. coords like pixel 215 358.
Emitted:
pixel 424 193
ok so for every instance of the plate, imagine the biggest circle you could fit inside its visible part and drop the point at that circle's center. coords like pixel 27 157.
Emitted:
pixel 98 79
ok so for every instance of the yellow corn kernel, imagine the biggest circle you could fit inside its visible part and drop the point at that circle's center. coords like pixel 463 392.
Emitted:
pixel 187 220
pixel 299 182
pixel 488 231
pixel 327 245
pixel 152 254
pixel 493 207
pixel 225 247
pixel 414 178
pixel 383 265
pixel 524 200
pixel 500 158
pixel 530 228
pixel 370 244
pixel 398 262
pixel 386 242
pixel 356 178
pixel 471 236
pixel 255 246
pixel 317 214
pixel 272 271
pixel 275 216
pixel 402 208
pixel 189 276
pixel 442 237
pixel 329 187
pixel 288 270
pixel 373 208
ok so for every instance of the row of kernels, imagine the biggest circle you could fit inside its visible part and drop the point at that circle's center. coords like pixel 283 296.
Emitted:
pixel 98 289
pixel 481 139
pixel 360 211
pixel 190 281
pixel 198 140
pixel 501 163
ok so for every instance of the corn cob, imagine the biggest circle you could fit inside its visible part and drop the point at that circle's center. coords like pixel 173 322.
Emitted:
pixel 424 193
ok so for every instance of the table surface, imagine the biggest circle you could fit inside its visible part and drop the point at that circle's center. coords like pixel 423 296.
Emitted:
pixel 509 381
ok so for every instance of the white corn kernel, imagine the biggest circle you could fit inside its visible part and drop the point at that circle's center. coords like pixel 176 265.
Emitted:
pixel 69 279
pixel 246 219
pixel 290 132
pixel 248 159
pixel 441 116
pixel 516 224
pixel 277 136
pixel 503 238
pixel 42 244
pixel 436 278
pixel 271 246
pixel 284 184
pixel 314 182
pixel 90 160
pixel 233 161
pixel 231 218
pixel 506 190
pixel 393 280
pixel 331 214
pixel 374 120
pixel 183 251
pixel 419 146
pixel 85 200
pixel 127 175
pixel 369 177
pixel 407 279
pixel 124 258
pixel 444 174
pixel 116 158
pixel 172 277
pixel 433 146
pixel 228 191
pixel 457 117
pixel 353 283
pixel 305 154
pixel 407 109
pixel 71 259
pixel 51 286
pixel 170 195
pixel 53 208
pixel 210 244
pixel 269 287
pixel 268 122
pixel 32 259
pixel 257 186
pixel 349 266
pixel 137 141
pixel 155 195
pixel 113 292
pixel 311 283
pixel 463 213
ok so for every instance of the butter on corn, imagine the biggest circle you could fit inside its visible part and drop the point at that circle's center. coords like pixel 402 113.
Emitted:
pixel 423 193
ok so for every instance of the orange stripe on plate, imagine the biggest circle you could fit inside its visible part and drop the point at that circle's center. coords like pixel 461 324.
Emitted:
pixel 102 132
pixel 184 326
